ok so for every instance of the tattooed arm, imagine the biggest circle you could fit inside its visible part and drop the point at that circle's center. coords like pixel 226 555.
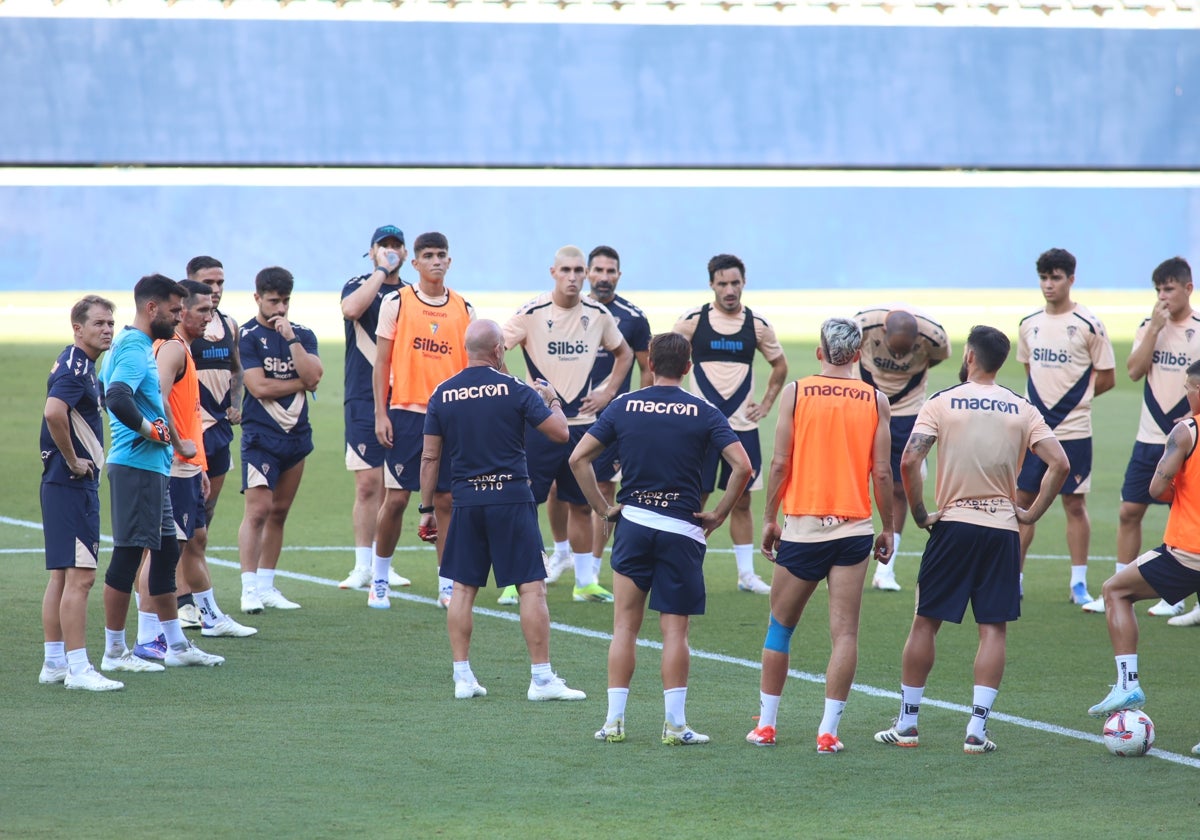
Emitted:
pixel 915 451
pixel 1179 446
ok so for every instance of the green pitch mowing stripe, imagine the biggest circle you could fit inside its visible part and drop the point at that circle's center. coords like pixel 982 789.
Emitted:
pixel 869 690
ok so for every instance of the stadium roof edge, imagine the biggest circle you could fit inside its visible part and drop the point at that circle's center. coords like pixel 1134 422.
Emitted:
pixel 1085 14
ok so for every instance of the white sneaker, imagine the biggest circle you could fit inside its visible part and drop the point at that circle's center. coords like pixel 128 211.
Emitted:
pixel 92 680
pixel 556 564
pixel 1188 619
pixel 189 617
pixel 357 579
pixel 397 580
pixel 251 603
pixel 274 599
pixel 377 597
pixel 444 597
pixel 1094 606
pixel 682 737
pixel 226 626
pixel 115 660
pixel 466 689
pixel 612 732
pixel 885 580
pixel 192 655
pixel 1162 608
pixel 750 582
pixel 51 675
pixel 555 688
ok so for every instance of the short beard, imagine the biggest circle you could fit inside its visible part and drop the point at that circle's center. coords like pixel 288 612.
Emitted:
pixel 162 330
pixel 962 373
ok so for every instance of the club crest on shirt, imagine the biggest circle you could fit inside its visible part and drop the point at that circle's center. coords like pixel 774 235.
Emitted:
pixel 584 320
pixel 1071 330
pixel 1189 332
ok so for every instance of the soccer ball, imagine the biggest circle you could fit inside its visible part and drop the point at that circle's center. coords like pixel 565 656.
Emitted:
pixel 1129 732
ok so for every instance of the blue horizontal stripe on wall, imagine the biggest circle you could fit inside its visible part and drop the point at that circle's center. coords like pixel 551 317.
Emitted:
pixel 415 94
pixel 505 238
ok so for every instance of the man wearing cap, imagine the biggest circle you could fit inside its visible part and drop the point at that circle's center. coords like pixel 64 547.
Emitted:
pixel 361 299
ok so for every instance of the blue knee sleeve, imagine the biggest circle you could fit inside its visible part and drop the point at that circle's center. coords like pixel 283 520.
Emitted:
pixel 779 638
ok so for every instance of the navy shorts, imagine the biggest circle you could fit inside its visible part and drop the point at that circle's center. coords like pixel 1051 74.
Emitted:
pixel 187 506
pixel 813 560
pixel 1079 479
pixel 607 465
pixel 217 440
pixel 363 449
pixel 71 526
pixel 713 461
pixel 667 565
pixel 1172 580
pixel 264 459
pixel 964 562
pixel 140 502
pixel 220 460
pixel 549 463
pixel 402 463
pixel 901 429
pixel 503 538
pixel 1142 462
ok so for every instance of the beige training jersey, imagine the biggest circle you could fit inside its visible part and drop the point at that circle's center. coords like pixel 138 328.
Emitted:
pixel 901 378
pixel 560 346
pixel 1163 397
pixel 982 434
pixel 1063 353
pixel 727 377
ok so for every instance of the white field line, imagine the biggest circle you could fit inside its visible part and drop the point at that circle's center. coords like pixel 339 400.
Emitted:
pixel 869 690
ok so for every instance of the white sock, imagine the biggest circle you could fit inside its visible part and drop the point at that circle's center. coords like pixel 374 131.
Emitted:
pixel 210 613
pixel 462 671
pixel 1127 672
pixel 910 705
pixel 249 582
pixel 832 717
pixel 768 708
pixel 541 672
pixel 148 627
pixel 362 556
pixel 1079 574
pixel 617 698
pixel 380 567
pixel 1121 565
pixel 265 580
pixel 562 549
pixel 583 570
pixel 114 640
pixel 443 583
pixel 56 653
pixel 744 556
pixel 597 565
pixel 174 634
pixel 981 706
pixel 675 699
pixel 77 661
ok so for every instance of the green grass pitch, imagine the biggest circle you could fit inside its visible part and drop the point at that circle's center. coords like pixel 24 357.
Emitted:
pixel 336 719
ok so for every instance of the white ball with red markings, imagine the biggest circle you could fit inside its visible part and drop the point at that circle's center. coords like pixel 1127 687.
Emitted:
pixel 1128 733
